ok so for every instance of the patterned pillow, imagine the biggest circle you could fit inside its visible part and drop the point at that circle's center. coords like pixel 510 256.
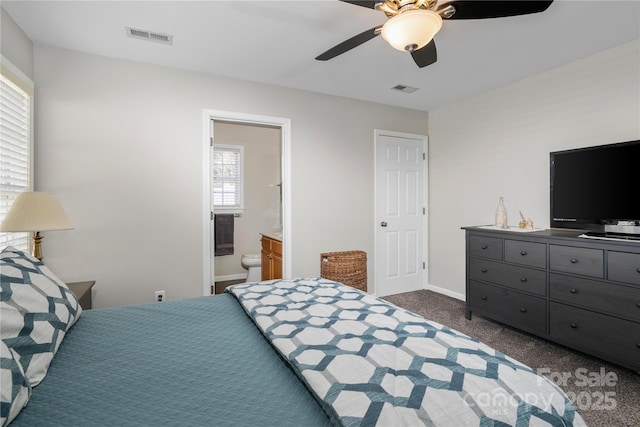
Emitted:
pixel 37 310
pixel 15 388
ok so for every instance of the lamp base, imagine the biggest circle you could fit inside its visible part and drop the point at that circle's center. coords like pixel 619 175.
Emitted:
pixel 37 248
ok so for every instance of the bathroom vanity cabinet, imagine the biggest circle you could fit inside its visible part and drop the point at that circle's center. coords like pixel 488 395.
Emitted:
pixel 271 258
pixel 579 292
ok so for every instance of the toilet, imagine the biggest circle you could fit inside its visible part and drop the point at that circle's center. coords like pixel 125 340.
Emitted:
pixel 253 263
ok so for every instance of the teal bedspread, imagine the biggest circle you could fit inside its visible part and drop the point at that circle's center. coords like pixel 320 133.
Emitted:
pixel 196 362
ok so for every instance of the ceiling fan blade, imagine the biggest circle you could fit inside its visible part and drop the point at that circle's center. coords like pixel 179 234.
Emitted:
pixel 426 55
pixel 368 4
pixel 473 9
pixel 349 44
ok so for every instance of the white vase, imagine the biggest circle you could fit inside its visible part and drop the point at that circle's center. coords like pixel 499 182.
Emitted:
pixel 501 215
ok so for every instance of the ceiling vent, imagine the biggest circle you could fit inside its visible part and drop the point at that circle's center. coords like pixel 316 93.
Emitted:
pixel 152 36
pixel 405 88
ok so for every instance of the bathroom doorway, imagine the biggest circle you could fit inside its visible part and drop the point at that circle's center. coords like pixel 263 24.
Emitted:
pixel 264 143
pixel 261 200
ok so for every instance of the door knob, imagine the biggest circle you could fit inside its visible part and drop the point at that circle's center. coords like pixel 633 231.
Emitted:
pixel 383 224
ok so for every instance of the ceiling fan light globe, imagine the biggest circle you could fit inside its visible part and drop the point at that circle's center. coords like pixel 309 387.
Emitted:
pixel 411 30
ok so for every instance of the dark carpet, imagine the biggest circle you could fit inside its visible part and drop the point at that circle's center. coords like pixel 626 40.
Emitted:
pixel 605 394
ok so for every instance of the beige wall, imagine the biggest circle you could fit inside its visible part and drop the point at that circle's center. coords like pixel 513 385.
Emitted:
pixel 15 45
pixel 121 144
pixel 262 195
pixel 498 144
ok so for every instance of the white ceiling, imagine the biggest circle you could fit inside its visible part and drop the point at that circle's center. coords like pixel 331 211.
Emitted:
pixel 276 42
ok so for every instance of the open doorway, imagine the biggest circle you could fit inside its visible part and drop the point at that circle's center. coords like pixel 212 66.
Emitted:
pixel 267 200
pixel 249 156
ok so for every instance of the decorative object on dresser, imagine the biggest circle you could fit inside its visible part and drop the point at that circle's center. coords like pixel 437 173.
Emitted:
pixel 523 221
pixel 82 291
pixel 501 214
pixel 525 224
pixel 349 268
pixel 578 292
pixel 271 258
pixel 35 211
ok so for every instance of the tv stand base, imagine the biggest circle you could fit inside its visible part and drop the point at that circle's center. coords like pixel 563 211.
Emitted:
pixel 613 236
pixel 631 228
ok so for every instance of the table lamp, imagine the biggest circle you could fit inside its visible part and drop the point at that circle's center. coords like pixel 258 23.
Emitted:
pixel 35 212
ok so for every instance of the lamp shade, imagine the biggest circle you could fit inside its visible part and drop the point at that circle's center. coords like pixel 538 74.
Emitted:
pixel 411 30
pixel 35 211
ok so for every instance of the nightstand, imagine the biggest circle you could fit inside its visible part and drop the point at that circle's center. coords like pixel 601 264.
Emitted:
pixel 82 291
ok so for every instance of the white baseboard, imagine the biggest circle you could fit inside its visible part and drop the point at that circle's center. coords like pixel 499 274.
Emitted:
pixel 231 277
pixel 446 292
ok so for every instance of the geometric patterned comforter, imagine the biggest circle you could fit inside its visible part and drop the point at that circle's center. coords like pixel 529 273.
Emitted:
pixel 371 363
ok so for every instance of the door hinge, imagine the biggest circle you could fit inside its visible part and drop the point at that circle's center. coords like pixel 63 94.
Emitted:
pixel 211 212
pixel 211 141
pixel 424 265
pixel 424 156
pixel 424 211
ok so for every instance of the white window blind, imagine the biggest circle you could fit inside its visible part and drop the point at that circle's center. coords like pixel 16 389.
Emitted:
pixel 227 177
pixel 15 148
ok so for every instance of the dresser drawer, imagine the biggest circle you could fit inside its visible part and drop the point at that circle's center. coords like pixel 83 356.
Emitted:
pixel 516 309
pixel 487 247
pixel 526 253
pixel 584 261
pixel 624 267
pixel 603 297
pixel 513 276
pixel 607 337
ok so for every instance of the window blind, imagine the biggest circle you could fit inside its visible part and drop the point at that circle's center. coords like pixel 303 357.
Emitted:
pixel 15 152
pixel 227 177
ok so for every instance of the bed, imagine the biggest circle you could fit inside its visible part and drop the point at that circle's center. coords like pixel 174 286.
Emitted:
pixel 302 352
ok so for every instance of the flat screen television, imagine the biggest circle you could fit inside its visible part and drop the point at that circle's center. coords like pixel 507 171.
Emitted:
pixel 597 189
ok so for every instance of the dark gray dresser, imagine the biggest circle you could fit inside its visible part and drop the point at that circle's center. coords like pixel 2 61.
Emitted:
pixel 582 293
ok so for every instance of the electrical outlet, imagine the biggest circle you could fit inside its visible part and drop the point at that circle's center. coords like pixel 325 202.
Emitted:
pixel 159 296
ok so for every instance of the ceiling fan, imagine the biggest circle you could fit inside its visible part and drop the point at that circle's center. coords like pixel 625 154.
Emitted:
pixel 412 24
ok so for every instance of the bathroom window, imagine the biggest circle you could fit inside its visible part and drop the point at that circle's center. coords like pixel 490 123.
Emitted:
pixel 16 146
pixel 228 177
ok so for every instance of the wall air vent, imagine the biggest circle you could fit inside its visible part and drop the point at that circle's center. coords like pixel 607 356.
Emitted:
pixel 152 36
pixel 405 88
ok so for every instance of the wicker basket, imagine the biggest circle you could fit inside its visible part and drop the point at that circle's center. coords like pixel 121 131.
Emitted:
pixel 348 267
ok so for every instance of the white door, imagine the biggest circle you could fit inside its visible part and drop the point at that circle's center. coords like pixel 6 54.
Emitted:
pixel 400 194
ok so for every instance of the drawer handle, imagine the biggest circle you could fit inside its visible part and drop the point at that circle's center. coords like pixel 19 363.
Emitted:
pixel 483 298
pixel 638 305
pixel 574 261
pixel 523 279
pixel 573 291
pixel 523 253
pixel 484 246
pixel 573 325
pixel 638 270
pixel 484 270
pixel 523 310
